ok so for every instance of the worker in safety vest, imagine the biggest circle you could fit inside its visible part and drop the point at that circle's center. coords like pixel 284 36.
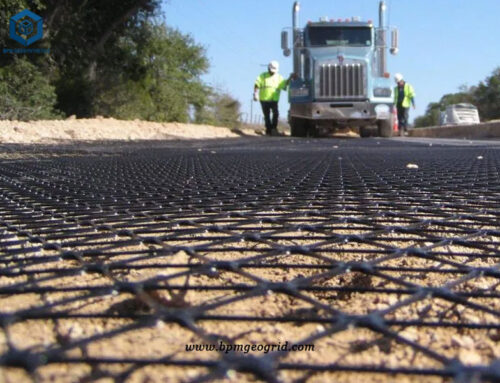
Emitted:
pixel 404 95
pixel 267 89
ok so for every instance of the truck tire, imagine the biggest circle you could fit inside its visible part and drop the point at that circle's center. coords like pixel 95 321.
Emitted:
pixel 298 127
pixel 312 131
pixel 385 128
pixel 364 131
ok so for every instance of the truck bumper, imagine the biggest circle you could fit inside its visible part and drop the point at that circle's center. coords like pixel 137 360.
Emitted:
pixel 354 113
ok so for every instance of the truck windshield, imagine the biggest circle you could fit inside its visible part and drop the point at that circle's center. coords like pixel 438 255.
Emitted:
pixel 339 36
pixel 464 106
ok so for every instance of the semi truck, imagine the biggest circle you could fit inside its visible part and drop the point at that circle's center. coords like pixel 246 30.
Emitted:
pixel 341 77
pixel 459 114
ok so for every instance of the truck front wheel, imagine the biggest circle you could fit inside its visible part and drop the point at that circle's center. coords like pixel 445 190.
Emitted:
pixel 298 127
pixel 364 131
pixel 385 127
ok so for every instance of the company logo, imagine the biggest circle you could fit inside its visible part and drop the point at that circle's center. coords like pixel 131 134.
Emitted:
pixel 341 59
pixel 26 27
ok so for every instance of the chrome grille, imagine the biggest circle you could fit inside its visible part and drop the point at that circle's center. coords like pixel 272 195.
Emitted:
pixel 341 81
pixel 467 116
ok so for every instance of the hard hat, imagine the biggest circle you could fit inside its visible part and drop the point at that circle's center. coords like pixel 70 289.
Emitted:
pixel 398 77
pixel 274 66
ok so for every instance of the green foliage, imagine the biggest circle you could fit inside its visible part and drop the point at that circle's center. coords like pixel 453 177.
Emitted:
pixel 110 58
pixel 487 96
pixel 456 98
pixel 221 110
pixel 26 93
pixel 431 116
pixel 161 77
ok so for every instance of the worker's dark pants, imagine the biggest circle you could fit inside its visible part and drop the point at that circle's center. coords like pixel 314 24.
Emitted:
pixel 267 107
pixel 403 114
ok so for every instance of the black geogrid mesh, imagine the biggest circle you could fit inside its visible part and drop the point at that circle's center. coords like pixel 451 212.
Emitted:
pixel 112 262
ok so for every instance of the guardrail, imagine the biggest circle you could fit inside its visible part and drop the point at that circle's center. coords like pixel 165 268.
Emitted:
pixel 483 130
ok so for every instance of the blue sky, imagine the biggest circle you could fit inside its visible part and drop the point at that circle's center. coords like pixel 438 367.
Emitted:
pixel 443 43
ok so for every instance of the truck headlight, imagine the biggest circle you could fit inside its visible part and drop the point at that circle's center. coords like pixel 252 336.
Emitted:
pixel 382 111
pixel 382 92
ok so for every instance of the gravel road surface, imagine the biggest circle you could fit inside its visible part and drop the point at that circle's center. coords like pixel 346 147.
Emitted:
pixel 287 260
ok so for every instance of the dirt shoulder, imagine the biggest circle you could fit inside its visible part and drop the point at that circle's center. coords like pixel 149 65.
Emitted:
pixel 102 129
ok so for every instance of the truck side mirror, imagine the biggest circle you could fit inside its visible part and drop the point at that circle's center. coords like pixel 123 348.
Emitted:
pixel 395 41
pixel 284 43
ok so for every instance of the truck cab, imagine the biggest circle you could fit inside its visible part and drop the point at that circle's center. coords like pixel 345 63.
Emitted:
pixel 342 79
pixel 460 114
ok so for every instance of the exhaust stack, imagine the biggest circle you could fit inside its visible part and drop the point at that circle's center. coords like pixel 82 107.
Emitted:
pixel 296 37
pixel 382 41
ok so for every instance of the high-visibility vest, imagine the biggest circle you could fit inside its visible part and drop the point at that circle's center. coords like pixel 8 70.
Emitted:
pixel 409 95
pixel 270 86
